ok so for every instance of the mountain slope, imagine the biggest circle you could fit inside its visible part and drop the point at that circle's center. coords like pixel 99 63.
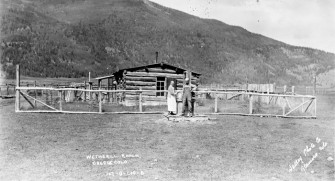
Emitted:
pixel 69 38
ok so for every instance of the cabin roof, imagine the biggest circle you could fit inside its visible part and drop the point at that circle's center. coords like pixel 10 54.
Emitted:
pixel 165 65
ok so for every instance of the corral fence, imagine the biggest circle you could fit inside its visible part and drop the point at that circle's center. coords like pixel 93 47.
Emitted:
pixel 43 99
pixel 251 101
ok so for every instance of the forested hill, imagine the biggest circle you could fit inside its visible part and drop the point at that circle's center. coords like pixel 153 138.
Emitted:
pixel 69 38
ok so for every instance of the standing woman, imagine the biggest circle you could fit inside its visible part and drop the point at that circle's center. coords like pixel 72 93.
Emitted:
pixel 171 99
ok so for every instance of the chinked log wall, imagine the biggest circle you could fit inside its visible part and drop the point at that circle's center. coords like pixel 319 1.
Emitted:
pixel 147 80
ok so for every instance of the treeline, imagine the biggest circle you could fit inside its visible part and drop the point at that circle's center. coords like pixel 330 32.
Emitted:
pixel 45 47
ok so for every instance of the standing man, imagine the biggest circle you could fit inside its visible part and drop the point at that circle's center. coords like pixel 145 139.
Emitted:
pixel 187 97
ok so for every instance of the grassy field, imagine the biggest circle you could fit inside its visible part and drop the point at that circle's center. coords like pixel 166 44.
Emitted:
pixel 147 147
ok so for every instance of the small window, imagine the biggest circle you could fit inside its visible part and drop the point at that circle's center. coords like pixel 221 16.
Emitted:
pixel 160 86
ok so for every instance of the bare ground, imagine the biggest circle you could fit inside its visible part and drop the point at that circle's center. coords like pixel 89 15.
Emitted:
pixel 56 146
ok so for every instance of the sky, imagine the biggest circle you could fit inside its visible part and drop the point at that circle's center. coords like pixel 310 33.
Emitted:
pixel 308 23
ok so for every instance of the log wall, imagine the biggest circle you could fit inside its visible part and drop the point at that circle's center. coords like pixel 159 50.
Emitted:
pixel 146 79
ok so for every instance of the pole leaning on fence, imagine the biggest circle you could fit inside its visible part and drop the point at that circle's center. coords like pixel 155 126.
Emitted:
pixel 17 96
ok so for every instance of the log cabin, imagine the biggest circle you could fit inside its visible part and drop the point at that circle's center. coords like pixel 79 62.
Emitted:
pixel 149 77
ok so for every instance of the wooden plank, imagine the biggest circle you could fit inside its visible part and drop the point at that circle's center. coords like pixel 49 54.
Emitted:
pixel 32 105
pixel 157 70
pixel 151 74
pixel 263 115
pixel 82 112
pixel 143 93
pixel 146 98
pixel 195 118
pixel 140 83
pixel 308 105
pixel 234 96
pixel 143 87
pixel 144 79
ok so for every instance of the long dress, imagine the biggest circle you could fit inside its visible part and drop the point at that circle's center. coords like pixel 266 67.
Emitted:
pixel 171 100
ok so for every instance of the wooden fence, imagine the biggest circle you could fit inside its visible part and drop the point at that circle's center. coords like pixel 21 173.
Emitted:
pixel 54 101
pixel 287 107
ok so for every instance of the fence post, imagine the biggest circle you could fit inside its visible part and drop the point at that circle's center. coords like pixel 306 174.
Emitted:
pixel 35 93
pixel 51 100
pixel 315 107
pixel 85 91
pixel 17 96
pixel 90 87
pixel 100 102
pixel 100 96
pixel 108 94
pixel 216 103
pixel 140 100
pixel 7 89
pixel 46 96
pixel 250 103
pixel 285 89
pixel 60 100
pixel 246 90
pixel 293 89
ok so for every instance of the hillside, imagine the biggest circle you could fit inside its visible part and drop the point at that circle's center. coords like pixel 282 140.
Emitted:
pixel 68 38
